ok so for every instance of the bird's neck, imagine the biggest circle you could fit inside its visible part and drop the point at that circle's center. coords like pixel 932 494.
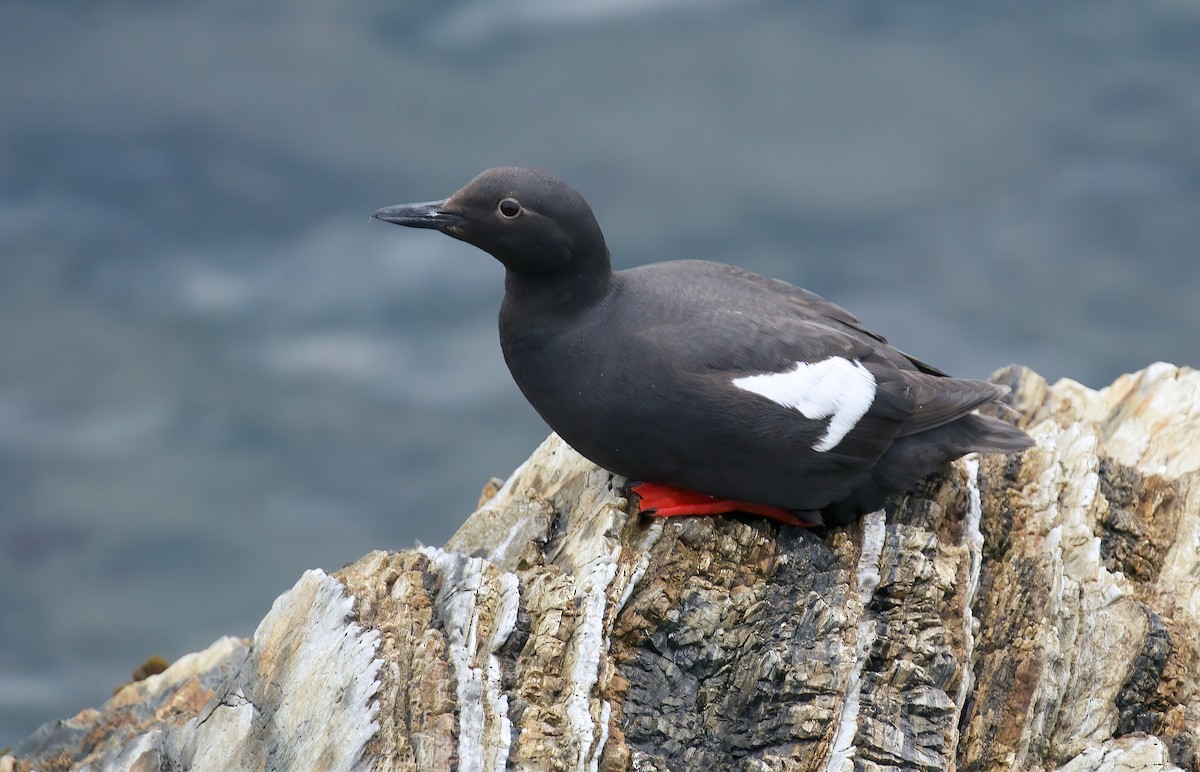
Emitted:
pixel 558 293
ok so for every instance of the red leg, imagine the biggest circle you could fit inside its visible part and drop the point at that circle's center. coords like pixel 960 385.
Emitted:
pixel 664 501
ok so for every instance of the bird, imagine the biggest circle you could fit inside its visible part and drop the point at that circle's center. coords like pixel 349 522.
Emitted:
pixel 710 388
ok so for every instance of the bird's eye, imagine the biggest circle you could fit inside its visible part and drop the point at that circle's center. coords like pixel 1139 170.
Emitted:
pixel 509 208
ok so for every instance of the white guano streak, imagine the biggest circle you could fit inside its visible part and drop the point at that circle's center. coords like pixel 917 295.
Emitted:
pixel 484 728
pixel 841 390
pixel 874 533
pixel 972 539
pixel 592 592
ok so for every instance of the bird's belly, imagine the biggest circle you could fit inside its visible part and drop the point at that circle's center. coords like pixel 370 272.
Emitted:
pixel 628 424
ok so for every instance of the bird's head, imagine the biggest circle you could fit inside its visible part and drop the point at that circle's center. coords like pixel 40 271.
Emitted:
pixel 533 223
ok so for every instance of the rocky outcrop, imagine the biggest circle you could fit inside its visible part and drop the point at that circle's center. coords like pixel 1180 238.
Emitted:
pixel 1040 611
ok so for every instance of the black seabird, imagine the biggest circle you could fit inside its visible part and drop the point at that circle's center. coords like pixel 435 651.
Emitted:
pixel 721 389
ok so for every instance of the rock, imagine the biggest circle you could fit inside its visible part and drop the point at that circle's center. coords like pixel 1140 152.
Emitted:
pixel 1030 612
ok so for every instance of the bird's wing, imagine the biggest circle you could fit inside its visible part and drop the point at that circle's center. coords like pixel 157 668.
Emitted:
pixel 938 400
pixel 808 363
pixel 809 304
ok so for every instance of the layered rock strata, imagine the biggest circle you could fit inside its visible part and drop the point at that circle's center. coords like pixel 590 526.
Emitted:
pixel 1040 611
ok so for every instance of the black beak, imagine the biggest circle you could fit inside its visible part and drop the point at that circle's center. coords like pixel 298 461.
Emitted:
pixel 426 215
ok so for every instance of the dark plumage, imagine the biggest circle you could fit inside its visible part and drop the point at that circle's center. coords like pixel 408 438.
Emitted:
pixel 704 376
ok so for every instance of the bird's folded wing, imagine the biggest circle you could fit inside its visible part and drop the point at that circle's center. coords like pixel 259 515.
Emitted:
pixel 932 400
pixel 813 306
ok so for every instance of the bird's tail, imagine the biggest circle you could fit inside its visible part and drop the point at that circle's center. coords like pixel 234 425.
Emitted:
pixel 986 434
pixel 916 456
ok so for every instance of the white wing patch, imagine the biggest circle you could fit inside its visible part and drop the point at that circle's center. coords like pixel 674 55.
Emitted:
pixel 841 390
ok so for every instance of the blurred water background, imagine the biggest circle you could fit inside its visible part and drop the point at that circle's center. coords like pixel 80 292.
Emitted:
pixel 216 371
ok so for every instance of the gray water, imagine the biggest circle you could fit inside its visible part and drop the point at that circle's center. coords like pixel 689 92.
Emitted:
pixel 216 371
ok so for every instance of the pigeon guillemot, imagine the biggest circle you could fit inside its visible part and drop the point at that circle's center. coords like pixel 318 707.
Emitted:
pixel 722 390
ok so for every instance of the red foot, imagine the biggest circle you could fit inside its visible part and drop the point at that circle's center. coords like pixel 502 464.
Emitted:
pixel 664 501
